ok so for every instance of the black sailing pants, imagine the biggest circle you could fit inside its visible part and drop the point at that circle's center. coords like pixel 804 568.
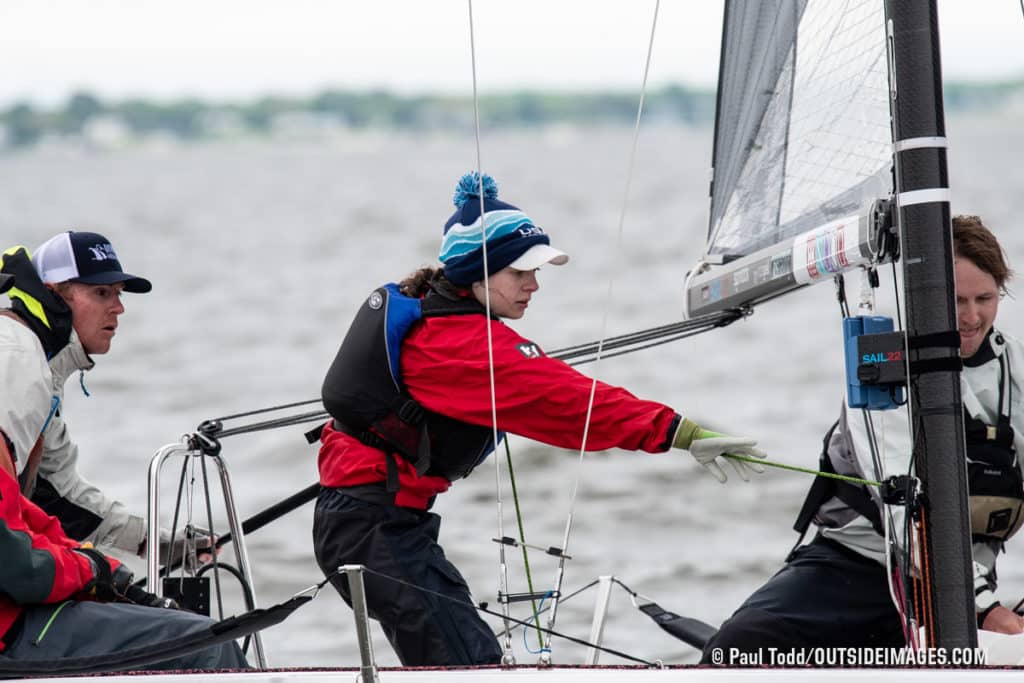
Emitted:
pixel 93 629
pixel 825 596
pixel 424 629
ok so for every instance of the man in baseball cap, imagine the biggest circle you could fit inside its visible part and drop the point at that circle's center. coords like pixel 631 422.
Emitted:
pixel 64 312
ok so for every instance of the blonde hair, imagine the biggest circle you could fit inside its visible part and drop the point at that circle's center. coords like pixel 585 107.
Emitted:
pixel 61 289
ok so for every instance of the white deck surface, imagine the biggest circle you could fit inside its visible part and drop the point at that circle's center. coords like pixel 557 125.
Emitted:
pixel 580 674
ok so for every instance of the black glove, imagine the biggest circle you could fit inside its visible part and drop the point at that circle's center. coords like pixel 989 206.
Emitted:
pixel 107 585
pixel 138 596
pixel 116 585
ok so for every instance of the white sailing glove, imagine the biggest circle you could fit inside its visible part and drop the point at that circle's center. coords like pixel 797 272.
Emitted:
pixel 984 594
pixel 706 447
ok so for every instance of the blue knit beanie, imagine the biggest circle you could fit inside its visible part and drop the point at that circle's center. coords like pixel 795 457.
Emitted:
pixel 512 238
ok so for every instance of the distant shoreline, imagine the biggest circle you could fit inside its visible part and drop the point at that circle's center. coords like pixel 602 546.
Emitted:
pixel 93 120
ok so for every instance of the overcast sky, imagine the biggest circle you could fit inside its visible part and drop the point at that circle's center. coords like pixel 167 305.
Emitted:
pixel 231 49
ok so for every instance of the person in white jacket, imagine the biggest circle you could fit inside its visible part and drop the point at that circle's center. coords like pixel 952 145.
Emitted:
pixel 65 306
pixel 834 591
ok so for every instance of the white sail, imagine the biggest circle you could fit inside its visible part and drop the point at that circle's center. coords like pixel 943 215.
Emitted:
pixel 803 149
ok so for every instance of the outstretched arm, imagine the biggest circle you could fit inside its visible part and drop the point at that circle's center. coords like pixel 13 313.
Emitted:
pixel 447 369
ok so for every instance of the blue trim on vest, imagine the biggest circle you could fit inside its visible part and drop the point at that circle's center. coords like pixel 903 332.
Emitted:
pixel 355 391
pixel 400 314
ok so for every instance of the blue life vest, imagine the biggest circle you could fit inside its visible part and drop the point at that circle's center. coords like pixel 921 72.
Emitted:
pixel 364 392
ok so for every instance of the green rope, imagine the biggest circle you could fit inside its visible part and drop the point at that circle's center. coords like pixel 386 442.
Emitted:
pixel 794 468
pixel 522 539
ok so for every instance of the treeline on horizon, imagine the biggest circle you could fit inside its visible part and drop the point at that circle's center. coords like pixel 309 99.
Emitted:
pixel 24 124
pixel 195 119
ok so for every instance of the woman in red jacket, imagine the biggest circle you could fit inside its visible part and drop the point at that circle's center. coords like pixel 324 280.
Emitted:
pixel 410 392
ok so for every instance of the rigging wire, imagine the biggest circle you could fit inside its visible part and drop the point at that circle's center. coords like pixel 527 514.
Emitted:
pixel 893 555
pixel 260 411
pixel 542 610
pixel 522 543
pixel 560 570
pixel 213 555
pixel 900 537
pixel 579 354
pixel 518 622
pixel 637 341
pixel 900 576
pixel 508 657
pixel 899 561
pixel 219 432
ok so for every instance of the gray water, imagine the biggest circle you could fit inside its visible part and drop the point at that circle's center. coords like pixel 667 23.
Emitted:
pixel 260 253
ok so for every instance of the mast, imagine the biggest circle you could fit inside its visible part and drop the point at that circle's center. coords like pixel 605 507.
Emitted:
pixel 930 301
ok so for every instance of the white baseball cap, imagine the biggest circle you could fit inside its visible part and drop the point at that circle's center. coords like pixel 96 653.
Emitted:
pixel 86 257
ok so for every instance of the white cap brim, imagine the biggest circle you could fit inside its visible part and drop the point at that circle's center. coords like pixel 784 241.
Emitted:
pixel 537 255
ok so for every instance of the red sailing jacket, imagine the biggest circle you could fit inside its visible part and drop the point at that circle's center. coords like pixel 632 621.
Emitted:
pixel 38 563
pixel 445 367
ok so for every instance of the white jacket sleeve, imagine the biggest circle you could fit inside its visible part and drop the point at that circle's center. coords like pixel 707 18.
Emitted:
pixel 25 396
pixel 86 512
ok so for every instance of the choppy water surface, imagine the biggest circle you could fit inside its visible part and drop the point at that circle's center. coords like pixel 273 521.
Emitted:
pixel 260 253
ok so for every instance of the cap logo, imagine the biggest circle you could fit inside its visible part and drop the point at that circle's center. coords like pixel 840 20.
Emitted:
pixel 528 230
pixel 103 252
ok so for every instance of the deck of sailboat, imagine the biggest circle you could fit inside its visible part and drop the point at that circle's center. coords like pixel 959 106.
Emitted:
pixel 528 672
pixel 689 674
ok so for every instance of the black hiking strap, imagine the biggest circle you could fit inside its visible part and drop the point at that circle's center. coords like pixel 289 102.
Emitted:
pixel 220 632
pixel 391 483
pixel 370 439
pixel 373 440
pixel 853 495
pixel 820 491
pixel 857 497
pixel 824 488
pixel 691 631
